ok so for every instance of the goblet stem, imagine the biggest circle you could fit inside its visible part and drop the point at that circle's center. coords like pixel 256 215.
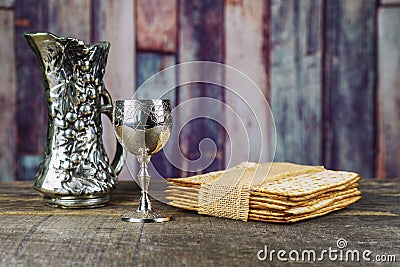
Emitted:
pixel 145 212
pixel 144 181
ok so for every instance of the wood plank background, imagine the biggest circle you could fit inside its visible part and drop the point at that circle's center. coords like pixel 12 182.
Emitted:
pixel 8 99
pixel 349 85
pixel 388 92
pixel 201 38
pixel 30 16
pixel 296 79
pixel 247 17
pixel 329 68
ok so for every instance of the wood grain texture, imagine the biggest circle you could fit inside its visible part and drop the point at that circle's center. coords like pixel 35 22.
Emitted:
pixel 349 96
pixel 70 18
pixel 114 22
pixel 148 64
pixel 36 235
pixel 245 50
pixel 388 93
pixel 296 79
pixel 30 16
pixel 201 38
pixel 7 96
pixel 156 25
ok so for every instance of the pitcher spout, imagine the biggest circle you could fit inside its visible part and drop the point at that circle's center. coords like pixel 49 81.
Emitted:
pixel 37 37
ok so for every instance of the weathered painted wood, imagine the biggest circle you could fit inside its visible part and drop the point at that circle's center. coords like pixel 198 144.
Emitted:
pixel 114 22
pixel 388 160
pixel 390 2
pixel 245 49
pixel 156 25
pixel 148 64
pixel 70 18
pixel 201 38
pixel 30 16
pixel 296 79
pixel 7 3
pixel 7 97
pixel 33 234
pixel 349 96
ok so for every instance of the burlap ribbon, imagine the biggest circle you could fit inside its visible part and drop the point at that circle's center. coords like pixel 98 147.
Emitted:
pixel 228 198
pixel 229 195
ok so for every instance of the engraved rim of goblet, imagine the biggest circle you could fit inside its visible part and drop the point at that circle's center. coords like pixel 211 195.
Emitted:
pixel 129 101
pixel 148 102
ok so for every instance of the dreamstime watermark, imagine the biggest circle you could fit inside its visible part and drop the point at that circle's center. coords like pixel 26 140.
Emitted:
pixel 339 253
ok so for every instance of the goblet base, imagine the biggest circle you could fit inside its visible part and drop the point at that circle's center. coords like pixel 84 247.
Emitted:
pixel 145 216
pixel 77 202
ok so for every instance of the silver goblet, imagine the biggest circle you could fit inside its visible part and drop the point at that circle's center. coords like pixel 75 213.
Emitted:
pixel 143 128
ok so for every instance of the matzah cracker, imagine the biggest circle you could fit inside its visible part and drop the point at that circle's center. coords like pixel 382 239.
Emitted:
pixel 265 203
pixel 308 196
pixel 281 192
pixel 337 206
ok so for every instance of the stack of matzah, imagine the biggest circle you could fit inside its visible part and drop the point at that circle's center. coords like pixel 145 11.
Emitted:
pixel 271 192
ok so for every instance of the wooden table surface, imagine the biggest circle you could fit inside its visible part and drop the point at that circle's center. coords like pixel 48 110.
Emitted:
pixel 34 234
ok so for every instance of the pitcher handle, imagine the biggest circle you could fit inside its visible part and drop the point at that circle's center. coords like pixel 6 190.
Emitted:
pixel 107 108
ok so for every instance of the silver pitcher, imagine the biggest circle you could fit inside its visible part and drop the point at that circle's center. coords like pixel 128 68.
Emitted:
pixel 75 171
